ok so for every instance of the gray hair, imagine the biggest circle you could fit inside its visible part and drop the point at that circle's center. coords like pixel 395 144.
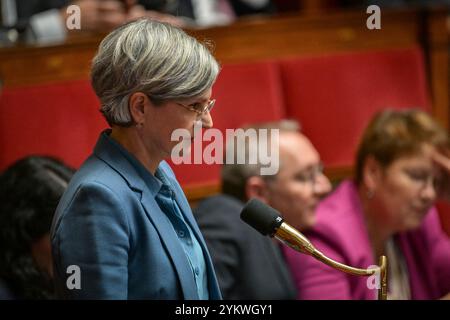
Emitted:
pixel 234 175
pixel 155 58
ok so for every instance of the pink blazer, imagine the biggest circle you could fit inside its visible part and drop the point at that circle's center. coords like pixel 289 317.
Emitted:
pixel 340 233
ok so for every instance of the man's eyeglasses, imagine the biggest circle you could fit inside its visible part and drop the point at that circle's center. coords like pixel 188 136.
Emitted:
pixel 198 108
pixel 310 176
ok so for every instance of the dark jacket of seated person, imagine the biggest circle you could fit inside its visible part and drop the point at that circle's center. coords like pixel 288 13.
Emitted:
pixel 248 265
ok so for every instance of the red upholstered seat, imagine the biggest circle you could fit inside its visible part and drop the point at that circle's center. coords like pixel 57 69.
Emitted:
pixel 335 96
pixel 245 93
pixel 60 120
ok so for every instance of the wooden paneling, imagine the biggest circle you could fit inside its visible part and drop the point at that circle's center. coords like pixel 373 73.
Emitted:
pixel 437 48
pixel 27 65
pixel 293 35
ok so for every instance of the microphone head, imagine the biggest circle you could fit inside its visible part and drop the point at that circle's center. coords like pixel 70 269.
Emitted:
pixel 262 217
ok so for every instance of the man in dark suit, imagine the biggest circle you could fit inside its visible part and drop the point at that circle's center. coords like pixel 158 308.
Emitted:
pixel 248 265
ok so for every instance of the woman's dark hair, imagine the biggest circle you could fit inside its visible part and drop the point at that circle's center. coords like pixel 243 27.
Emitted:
pixel 30 190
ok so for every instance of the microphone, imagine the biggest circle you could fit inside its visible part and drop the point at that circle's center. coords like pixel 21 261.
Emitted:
pixel 269 222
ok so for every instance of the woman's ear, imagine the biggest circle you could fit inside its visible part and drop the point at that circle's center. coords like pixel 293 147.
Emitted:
pixel 372 173
pixel 256 187
pixel 136 104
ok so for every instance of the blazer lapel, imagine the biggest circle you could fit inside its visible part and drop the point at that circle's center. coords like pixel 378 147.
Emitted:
pixel 172 246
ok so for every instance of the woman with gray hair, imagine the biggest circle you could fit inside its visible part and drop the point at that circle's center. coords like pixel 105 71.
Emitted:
pixel 124 229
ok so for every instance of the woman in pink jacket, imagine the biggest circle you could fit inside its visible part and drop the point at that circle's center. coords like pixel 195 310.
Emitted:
pixel 387 210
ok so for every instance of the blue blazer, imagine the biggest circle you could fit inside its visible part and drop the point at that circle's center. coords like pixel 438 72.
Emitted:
pixel 109 225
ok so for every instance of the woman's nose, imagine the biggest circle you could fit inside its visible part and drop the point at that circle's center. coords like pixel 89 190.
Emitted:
pixel 207 121
pixel 429 192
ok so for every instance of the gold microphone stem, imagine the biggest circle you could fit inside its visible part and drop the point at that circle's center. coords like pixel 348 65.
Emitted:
pixel 382 292
pixel 343 267
pixel 299 242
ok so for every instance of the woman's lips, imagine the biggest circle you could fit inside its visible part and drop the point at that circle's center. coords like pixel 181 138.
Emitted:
pixel 421 210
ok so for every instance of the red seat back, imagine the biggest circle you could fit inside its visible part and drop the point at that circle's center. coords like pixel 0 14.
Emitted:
pixel 60 120
pixel 334 97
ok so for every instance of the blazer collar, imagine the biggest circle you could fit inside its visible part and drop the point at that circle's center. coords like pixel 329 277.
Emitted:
pixel 356 222
pixel 111 152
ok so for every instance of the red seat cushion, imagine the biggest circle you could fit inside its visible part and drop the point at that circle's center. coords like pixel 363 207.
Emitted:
pixel 334 97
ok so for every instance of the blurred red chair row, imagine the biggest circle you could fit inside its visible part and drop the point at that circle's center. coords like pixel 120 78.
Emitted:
pixel 333 97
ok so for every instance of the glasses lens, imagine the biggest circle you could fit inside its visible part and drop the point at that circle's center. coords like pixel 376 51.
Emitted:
pixel 210 105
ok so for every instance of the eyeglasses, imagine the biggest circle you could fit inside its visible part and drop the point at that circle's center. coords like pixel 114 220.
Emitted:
pixel 310 176
pixel 198 108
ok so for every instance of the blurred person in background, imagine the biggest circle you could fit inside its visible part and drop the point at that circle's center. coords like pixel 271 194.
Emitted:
pixel 206 13
pixel 29 193
pixel 387 210
pixel 44 21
